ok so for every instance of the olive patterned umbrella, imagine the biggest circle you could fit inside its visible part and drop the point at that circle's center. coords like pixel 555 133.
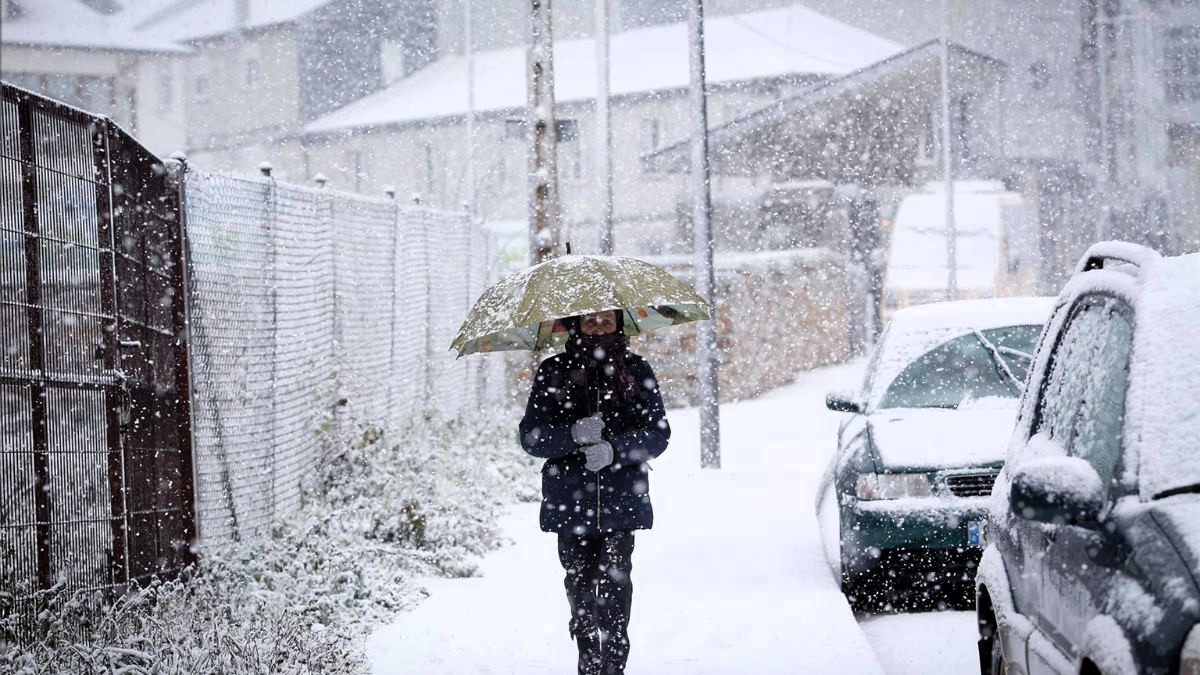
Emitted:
pixel 522 312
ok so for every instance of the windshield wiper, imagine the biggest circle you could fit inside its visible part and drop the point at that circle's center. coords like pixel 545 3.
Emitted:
pixel 999 360
pixel 1195 487
pixel 1014 352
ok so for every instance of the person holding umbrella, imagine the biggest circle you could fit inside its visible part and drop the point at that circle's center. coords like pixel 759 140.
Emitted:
pixel 594 414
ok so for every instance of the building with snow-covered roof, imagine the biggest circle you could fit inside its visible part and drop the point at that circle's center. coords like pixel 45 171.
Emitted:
pixel 67 50
pixel 229 81
pixel 410 135
pixel 264 68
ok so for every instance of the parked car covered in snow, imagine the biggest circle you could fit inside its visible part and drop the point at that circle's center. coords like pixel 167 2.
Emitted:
pixel 903 497
pixel 1092 562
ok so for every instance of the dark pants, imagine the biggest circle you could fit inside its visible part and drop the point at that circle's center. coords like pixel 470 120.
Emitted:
pixel 599 620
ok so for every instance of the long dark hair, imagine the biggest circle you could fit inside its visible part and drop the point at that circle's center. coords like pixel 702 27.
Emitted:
pixel 610 366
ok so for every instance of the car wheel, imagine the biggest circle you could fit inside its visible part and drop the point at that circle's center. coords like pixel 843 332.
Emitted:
pixel 998 666
pixel 861 591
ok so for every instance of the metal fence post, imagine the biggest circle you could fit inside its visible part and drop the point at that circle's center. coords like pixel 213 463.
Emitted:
pixel 391 194
pixel 37 390
pixel 184 365
pixel 273 256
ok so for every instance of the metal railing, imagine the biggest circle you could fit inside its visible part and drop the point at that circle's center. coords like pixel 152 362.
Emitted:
pixel 96 485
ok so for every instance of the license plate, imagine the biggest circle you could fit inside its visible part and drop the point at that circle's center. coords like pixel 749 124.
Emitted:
pixel 975 533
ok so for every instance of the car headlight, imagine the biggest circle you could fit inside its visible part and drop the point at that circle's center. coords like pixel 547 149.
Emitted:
pixel 893 486
pixel 1189 661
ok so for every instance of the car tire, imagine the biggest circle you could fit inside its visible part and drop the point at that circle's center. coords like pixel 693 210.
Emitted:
pixel 861 591
pixel 998 666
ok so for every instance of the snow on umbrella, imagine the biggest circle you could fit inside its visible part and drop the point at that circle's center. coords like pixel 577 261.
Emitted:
pixel 522 311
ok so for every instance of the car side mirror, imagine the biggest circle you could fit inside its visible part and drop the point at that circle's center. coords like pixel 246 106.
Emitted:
pixel 843 401
pixel 1057 490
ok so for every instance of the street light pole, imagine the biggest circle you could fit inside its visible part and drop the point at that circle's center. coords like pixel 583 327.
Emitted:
pixel 604 189
pixel 543 157
pixel 947 163
pixel 469 55
pixel 1105 201
pixel 710 426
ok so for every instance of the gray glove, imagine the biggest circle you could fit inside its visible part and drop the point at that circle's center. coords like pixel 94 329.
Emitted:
pixel 587 430
pixel 599 455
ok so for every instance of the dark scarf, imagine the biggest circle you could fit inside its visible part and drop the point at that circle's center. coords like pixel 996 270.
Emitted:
pixel 602 357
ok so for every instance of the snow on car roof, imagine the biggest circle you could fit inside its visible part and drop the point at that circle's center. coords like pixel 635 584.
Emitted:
pixel 1163 418
pixel 981 314
pixel 915 330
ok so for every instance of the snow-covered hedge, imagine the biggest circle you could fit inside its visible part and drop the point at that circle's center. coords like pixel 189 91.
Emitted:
pixel 385 507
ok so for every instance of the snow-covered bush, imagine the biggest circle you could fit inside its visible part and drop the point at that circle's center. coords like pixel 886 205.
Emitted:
pixel 386 506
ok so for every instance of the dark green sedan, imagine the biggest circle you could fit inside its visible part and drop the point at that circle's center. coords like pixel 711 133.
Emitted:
pixel 902 502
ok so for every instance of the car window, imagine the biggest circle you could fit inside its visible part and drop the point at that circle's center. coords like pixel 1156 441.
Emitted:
pixel 1070 370
pixel 1102 417
pixel 873 364
pixel 990 363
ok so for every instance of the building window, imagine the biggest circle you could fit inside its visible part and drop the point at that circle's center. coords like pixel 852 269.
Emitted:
pixel 360 169
pixel 430 170
pixel 1039 75
pixel 94 94
pixel 651 134
pixel 963 132
pixel 166 92
pixel 250 76
pixel 1182 62
pixel 200 88
pixel 929 134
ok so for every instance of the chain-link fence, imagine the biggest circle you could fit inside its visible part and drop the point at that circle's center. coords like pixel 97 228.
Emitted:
pixel 307 305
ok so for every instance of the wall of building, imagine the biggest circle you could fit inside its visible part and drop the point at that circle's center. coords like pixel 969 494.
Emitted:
pixel 428 160
pixel 244 88
pixel 139 91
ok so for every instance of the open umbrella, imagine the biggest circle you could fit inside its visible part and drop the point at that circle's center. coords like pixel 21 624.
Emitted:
pixel 522 311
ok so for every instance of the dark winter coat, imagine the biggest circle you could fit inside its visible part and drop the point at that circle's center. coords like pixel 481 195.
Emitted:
pixel 637 428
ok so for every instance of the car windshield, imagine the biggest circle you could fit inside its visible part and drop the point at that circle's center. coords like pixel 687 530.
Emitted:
pixel 980 364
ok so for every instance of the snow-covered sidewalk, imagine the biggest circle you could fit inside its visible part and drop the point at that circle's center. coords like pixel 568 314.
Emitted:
pixel 731 579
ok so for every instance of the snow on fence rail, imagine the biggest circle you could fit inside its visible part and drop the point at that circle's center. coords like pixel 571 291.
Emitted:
pixel 308 305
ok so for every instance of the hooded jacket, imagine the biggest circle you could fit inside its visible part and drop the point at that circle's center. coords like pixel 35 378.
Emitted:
pixel 566 390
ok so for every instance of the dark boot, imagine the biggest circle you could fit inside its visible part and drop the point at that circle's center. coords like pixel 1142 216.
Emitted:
pixel 616 653
pixel 587 638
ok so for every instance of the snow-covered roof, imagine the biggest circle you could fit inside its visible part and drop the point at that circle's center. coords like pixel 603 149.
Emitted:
pixel 768 43
pixel 889 75
pixel 188 20
pixel 70 23
pixel 917 255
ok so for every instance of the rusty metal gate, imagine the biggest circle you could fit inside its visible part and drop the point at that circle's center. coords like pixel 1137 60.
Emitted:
pixel 96 478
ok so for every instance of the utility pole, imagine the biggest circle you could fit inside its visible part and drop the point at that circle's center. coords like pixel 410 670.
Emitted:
pixel 604 189
pixel 543 156
pixel 469 169
pixel 710 422
pixel 1105 155
pixel 948 163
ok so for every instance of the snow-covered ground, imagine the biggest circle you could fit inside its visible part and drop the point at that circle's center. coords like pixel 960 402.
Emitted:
pixel 731 579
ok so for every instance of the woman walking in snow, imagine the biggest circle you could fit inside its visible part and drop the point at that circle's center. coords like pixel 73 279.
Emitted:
pixel 596 416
